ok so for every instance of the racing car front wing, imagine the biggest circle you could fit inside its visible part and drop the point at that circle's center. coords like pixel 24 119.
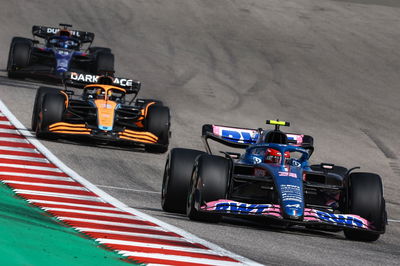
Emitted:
pixel 82 129
pixel 311 216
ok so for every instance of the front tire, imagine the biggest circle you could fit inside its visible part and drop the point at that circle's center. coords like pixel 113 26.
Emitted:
pixel 158 122
pixel 52 111
pixel 209 182
pixel 176 180
pixel 366 200
pixel 41 92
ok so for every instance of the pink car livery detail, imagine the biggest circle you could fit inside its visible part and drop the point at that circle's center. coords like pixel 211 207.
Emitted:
pixel 274 211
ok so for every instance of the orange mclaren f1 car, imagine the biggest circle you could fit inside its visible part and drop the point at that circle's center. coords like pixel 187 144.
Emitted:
pixel 102 112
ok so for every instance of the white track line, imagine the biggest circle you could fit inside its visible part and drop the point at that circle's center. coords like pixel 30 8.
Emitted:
pixel 45 185
pixel 7 130
pixel 393 221
pixel 105 214
pixel 181 258
pixel 56 194
pixel 24 158
pixel 5 148
pixel 50 177
pixel 108 198
pixel 32 167
pixel 138 226
pixel 14 140
pixel 122 233
pixel 151 245
pixel 56 203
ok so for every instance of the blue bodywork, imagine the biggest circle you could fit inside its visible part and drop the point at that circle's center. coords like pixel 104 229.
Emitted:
pixel 287 175
pixel 64 49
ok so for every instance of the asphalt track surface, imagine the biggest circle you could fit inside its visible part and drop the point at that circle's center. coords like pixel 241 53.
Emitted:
pixel 331 68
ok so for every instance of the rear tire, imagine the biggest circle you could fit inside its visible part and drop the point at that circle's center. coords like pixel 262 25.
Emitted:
pixel 213 173
pixel 176 180
pixel 19 56
pixel 104 63
pixel 38 103
pixel 366 200
pixel 158 122
pixel 52 111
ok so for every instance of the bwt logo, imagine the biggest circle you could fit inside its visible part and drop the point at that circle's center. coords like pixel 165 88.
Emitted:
pixel 242 207
pixel 340 219
pixel 239 136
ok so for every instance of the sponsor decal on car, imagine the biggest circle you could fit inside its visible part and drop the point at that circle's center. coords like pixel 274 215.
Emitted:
pixel 236 207
pixel 236 134
pixel 87 78
pixel 291 193
pixel 274 210
pixel 55 30
pixel 294 175
pixel 257 160
pixel 348 220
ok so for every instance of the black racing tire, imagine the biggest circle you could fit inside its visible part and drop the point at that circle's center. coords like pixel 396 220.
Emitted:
pixel 365 198
pixel 176 180
pixel 104 63
pixel 38 103
pixel 213 173
pixel 157 121
pixel 52 111
pixel 96 49
pixel 18 56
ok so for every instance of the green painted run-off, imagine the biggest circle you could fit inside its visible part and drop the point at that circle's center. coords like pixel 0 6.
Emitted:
pixel 30 236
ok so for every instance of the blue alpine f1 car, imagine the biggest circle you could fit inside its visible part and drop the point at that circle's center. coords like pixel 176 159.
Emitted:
pixel 272 179
pixel 62 50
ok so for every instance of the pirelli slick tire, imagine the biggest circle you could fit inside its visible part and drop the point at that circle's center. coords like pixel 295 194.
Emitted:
pixel 38 103
pixel 209 182
pixel 158 122
pixel 365 198
pixel 96 49
pixel 52 111
pixel 19 56
pixel 176 180
pixel 104 63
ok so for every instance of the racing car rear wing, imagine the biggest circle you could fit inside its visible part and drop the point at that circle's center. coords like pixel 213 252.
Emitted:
pixel 80 80
pixel 236 137
pixel 46 32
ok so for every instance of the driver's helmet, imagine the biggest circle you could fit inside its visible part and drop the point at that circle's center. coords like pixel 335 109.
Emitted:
pixel 63 40
pixel 65 33
pixel 100 94
pixel 274 156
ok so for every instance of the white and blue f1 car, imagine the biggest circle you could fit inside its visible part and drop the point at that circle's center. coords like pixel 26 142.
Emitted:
pixel 272 179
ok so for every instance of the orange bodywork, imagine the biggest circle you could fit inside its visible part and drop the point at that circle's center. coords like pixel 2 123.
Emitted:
pixel 67 128
pixel 144 114
pixel 140 136
pixel 105 107
pixel 105 113
pixel 105 116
